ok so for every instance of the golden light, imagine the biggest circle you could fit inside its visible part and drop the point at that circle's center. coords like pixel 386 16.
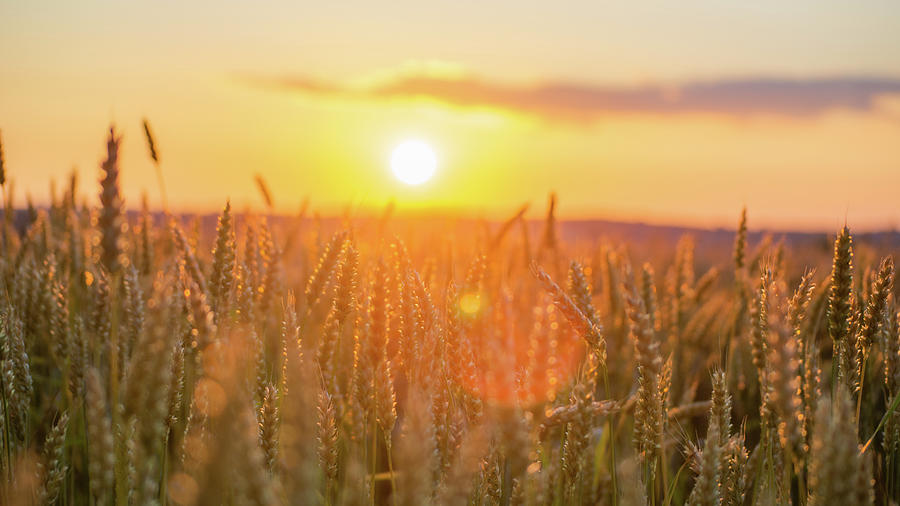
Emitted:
pixel 470 303
pixel 413 162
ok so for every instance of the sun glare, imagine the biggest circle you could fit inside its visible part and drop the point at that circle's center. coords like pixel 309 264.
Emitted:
pixel 413 162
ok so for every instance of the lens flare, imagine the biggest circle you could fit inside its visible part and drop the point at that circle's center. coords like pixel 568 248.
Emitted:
pixel 470 303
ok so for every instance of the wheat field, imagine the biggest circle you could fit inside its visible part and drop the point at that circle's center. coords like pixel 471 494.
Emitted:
pixel 147 359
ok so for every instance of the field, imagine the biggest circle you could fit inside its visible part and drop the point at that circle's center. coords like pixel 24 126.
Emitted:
pixel 148 359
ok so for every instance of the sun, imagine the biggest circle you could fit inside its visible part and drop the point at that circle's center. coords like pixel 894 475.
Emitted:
pixel 413 162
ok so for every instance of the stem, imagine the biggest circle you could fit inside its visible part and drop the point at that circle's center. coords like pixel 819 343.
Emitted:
pixel 121 467
pixel 7 442
pixel 770 473
pixel 801 484
pixel 162 187
pixel 763 447
pixel 374 446
pixel 788 465
pixel 884 418
pixel 671 492
pixel 664 465
pixel 165 465
pixel 374 461
pixel 387 444
pixel 612 440
pixel 649 482
pixel 890 477
pixel 87 449
pixel 506 488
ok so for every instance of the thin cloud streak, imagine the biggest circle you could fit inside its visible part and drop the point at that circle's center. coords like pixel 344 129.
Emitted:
pixel 574 101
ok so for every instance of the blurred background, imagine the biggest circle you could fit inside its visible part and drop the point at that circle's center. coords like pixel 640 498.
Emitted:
pixel 629 113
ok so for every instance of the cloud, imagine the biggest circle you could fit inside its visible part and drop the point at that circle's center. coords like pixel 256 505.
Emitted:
pixel 575 101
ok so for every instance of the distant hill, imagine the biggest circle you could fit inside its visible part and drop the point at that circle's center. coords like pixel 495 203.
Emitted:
pixel 637 233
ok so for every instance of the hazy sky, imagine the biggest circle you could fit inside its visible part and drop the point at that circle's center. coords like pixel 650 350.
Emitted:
pixel 680 112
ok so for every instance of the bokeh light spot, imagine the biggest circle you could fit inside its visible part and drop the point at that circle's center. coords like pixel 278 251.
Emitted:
pixel 470 303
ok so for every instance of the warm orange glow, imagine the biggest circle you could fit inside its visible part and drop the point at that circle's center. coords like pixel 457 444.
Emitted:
pixel 322 123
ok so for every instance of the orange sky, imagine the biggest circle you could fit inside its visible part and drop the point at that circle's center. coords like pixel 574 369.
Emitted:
pixel 632 113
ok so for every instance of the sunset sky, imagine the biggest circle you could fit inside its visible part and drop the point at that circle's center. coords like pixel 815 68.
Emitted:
pixel 679 113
